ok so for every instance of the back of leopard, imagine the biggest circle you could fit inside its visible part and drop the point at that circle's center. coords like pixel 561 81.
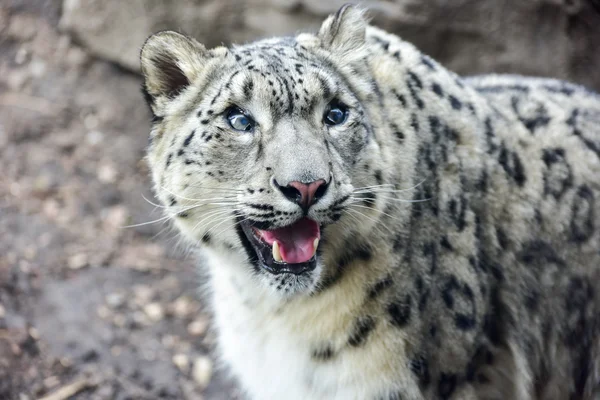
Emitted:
pixel 375 227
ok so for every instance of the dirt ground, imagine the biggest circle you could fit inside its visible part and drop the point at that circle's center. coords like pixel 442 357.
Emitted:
pixel 87 307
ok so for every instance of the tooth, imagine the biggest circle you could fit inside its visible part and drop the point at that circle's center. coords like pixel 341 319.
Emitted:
pixel 315 245
pixel 276 253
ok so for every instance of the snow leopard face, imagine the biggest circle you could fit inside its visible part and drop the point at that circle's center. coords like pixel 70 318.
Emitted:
pixel 255 149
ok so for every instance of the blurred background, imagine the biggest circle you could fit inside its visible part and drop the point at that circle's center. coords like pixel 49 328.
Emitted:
pixel 89 310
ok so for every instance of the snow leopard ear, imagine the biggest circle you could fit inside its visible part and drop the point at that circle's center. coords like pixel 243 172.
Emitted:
pixel 170 62
pixel 344 31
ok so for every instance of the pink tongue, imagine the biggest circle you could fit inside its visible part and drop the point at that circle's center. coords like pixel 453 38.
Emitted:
pixel 296 242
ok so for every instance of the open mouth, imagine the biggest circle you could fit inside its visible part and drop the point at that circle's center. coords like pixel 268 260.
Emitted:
pixel 291 249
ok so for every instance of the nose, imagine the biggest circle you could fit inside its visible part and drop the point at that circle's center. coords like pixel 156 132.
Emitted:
pixel 303 194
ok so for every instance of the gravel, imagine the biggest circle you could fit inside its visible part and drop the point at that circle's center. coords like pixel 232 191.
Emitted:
pixel 88 309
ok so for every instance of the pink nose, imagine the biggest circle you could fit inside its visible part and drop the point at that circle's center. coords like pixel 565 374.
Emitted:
pixel 303 194
pixel 307 192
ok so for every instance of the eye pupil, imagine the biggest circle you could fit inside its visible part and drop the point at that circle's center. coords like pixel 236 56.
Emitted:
pixel 239 121
pixel 336 114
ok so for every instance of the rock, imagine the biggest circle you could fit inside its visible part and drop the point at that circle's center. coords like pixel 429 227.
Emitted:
pixel 202 371
pixel 66 362
pixel 469 36
pixel 154 311
pixel 22 56
pixel 51 382
pixel 182 307
pixel 78 261
pixel 34 333
pixel 108 30
pixel 2 311
pixel 107 173
pixel 22 27
pixel 37 68
pixel 182 362
pixel 115 300
pixel 198 327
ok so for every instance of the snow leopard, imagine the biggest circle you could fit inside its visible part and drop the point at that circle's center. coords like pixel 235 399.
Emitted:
pixel 373 226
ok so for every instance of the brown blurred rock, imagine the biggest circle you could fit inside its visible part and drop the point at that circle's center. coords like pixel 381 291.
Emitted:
pixel 199 326
pixel 202 371
pixel 116 29
pixel 557 38
pixel 77 261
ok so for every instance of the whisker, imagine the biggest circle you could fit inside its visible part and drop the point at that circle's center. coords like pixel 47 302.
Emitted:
pixel 234 224
pixel 166 217
pixel 172 207
pixel 358 199
pixel 376 226
pixel 227 219
pixel 381 188
pixel 160 232
pixel 209 216
pixel 189 199
pixel 353 217
pixel 405 200
pixel 369 208
pixel 151 202
pixel 215 189
pixel 374 186
pixel 366 216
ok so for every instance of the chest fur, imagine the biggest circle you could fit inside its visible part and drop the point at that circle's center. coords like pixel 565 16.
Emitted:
pixel 301 349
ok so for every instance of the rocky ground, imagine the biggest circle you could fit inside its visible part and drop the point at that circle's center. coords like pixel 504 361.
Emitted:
pixel 92 310
pixel 87 306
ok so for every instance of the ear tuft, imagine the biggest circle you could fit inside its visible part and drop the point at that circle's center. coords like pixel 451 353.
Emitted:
pixel 170 62
pixel 344 31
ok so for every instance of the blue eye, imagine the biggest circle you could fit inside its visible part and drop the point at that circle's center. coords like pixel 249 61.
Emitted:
pixel 336 114
pixel 239 121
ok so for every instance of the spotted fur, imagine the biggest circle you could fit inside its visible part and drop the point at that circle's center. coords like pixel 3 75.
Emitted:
pixel 460 256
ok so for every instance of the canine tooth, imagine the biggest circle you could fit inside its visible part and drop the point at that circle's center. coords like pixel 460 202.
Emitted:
pixel 315 245
pixel 276 253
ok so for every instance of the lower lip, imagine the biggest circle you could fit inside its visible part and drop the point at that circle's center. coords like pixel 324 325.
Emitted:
pixel 288 269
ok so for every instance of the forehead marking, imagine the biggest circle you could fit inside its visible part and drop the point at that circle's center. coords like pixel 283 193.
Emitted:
pixel 290 108
pixel 248 88
pixel 279 64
